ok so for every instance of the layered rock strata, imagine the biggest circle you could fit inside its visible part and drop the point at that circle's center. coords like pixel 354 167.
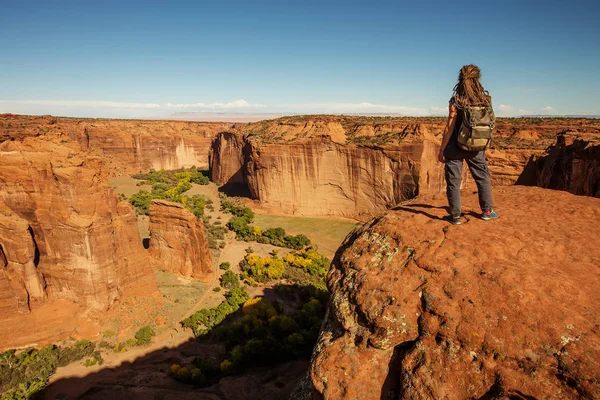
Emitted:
pixel 64 234
pixel 503 309
pixel 318 176
pixel 321 177
pixel 178 241
pixel 128 146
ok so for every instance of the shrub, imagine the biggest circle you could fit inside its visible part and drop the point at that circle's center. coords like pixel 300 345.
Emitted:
pixel 263 269
pixel 144 336
pixel 239 211
pixel 81 349
pixel 170 185
pixel 229 280
pixel 24 373
pixel 209 317
pixel 225 265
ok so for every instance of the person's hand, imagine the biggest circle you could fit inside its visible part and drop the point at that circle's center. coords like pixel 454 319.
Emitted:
pixel 441 156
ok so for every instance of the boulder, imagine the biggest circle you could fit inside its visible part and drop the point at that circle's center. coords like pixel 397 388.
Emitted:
pixel 508 308
pixel 178 242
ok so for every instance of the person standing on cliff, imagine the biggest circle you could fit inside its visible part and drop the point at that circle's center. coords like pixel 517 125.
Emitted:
pixel 468 93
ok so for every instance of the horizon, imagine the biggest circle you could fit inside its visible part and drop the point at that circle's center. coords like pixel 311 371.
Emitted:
pixel 150 60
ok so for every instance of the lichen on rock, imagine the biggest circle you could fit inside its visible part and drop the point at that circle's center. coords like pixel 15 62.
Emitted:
pixel 420 309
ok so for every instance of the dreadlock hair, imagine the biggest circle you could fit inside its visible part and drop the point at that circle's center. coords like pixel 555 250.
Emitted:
pixel 469 91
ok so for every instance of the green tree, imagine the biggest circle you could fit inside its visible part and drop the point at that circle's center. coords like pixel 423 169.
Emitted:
pixel 229 280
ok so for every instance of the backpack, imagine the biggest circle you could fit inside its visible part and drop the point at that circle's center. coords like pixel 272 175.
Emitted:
pixel 475 132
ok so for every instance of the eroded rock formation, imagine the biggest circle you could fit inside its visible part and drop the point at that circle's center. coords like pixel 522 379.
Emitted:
pixel 356 167
pixel 226 159
pixel 178 242
pixel 63 233
pixel 20 280
pixel 128 146
pixel 509 308
pixel 320 177
pixel 571 164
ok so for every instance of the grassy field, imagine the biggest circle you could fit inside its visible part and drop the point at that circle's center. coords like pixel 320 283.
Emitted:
pixel 326 233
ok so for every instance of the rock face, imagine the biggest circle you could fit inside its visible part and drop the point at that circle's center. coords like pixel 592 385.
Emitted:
pixel 356 167
pixel 320 177
pixel 571 165
pixel 501 309
pixel 127 146
pixel 63 233
pixel 317 176
pixel 178 242
pixel 20 280
pixel 226 159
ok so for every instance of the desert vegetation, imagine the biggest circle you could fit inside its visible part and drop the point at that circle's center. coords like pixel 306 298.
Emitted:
pixel 264 334
pixel 23 373
pixel 170 185
pixel 240 224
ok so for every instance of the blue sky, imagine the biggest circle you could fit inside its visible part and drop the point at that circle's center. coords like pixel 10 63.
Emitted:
pixel 155 58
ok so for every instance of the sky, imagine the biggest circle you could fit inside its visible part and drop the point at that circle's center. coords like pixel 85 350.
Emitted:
pixel 145 59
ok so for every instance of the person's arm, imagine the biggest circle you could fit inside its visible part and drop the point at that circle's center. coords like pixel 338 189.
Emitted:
pixel 447 131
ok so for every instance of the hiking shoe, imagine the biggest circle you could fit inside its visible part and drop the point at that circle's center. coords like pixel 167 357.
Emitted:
pixel 486 216
pixel 452 220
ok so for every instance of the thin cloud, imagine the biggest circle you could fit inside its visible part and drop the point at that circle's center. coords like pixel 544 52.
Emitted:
pixel 548 110
pixel 524 112
pixel 438 111
pixel 237 104
pixel 504 107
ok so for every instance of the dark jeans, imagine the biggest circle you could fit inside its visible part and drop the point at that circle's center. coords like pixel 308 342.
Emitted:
pixel 479 170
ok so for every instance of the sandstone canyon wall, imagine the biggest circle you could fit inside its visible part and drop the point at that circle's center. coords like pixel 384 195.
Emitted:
pixel 21 283
pixel 63 233
pixel 128 146
pixel 178 241
pixel 226 159
pixel 571 164
pixel 357 166
pixel 501 309
pixel 321 177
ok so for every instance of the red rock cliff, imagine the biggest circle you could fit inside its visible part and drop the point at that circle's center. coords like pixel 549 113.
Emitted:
pixel 501 309
pixel 21 283
pixel 127 145
pixel 63 233
pixel 320 177
pixel 178 242
pixel 357 166
pixel 571 164
pixel 226 159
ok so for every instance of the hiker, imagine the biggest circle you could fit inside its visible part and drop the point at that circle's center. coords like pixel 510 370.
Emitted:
pixel 467 135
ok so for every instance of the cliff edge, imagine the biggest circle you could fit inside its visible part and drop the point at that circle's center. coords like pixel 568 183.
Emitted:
pixel 500 309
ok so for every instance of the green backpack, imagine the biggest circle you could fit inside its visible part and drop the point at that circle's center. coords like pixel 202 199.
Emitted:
pixel 475 132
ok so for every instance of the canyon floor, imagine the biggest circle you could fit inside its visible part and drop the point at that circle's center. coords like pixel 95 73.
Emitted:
pixel 142 372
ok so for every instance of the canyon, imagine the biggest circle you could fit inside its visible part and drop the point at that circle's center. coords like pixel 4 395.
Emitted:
pixel 127 146
pixel 358 167
pixel 70 251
